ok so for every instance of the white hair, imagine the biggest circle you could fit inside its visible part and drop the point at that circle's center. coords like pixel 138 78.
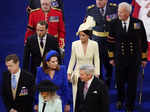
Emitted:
pixel 125 5
pixel 88 69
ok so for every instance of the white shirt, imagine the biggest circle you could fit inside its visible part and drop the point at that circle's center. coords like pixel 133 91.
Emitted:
pixel 17 75
pixel 44 40
pixel 53 105
pixel 127 23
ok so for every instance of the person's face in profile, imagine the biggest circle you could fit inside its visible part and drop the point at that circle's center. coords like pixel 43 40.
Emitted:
pixel 52 63
pixel 45 5
pixel 101 3
pixel 83 37
pixel 123 13
pixel 12 67
pixel 41 30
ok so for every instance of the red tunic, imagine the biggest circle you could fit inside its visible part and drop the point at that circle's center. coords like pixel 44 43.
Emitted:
pixel 55 24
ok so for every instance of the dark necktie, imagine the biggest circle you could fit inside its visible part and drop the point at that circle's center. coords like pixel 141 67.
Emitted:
pixel 41 42
pixel 124 27
pixel 102 11
pixel 44 104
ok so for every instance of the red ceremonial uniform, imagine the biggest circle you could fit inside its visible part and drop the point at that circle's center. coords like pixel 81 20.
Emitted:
pixel 55 24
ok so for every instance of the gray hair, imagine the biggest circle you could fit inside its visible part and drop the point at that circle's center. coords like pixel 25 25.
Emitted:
pixel 88 69
pixel 125 5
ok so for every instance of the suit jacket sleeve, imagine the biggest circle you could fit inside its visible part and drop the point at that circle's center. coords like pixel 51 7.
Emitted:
pixel 104 99
pixel 111 39
pixel 61 35
pixel 143 42
pixel 26 57
pixel 30 28
pixel 96 59
pixel 72 60
pixel 56 47
pixel 78 96
pixel 5 98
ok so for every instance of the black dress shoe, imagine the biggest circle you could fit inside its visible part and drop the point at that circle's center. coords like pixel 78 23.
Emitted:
pixel 119 105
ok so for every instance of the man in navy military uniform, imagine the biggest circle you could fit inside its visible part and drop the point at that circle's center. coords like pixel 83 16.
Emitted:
pixel 130 53
pixel 102 13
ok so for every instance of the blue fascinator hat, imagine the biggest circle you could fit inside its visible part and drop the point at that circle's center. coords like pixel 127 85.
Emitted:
pixel 50 54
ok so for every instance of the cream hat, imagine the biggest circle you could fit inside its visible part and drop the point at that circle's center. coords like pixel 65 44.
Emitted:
pixel 88 25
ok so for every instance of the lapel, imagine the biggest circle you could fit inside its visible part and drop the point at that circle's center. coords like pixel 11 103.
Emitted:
pixel 120 25
pixel 91 87
pixel 9 85
pixel 46 45
pixel 80 48
pixel 130 25
pixel 37 44
pixel 88 51
pixel 19 84
pixel 81 89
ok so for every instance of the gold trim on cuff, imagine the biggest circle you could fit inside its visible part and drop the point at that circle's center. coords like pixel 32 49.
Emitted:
pixel 100 34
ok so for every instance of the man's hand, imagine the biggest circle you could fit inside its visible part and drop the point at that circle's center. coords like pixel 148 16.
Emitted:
pixel 112 62
pixel 67 108
pixel 143 63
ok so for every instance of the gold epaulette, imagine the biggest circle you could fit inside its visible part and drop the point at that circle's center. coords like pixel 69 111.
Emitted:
pixel 56 8
pixel 113 4
pixel 91 6
pixel 35 9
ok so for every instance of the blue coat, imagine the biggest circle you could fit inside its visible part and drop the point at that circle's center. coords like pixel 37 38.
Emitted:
pixel 60 79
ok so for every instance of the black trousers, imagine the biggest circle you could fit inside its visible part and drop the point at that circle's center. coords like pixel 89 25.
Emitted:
pixel 127 69
pixel 104 59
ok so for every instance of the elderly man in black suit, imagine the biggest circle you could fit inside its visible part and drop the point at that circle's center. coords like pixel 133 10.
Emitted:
pixel 130 52
pixel 17 87
pixel 37 46
pixel 92 94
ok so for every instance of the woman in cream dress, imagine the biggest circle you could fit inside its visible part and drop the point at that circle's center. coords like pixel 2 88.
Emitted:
pixel 84 51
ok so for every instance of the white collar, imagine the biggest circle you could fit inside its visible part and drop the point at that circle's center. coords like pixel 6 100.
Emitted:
pixel 126 21
pixel 17 74
pixel 44 38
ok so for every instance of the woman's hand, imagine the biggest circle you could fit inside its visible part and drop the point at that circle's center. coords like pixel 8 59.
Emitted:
pixel 67 108
pixel 69 77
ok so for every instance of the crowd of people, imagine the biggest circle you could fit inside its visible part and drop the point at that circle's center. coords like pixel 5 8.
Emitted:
pixel 108 37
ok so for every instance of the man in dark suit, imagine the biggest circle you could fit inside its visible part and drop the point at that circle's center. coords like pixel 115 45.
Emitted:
pixel 37 46
pixel 103 12
pixel 92 94
pixel 130 53
pixel 17 87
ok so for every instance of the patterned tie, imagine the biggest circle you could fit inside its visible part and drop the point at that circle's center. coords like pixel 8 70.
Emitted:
pixel 85 89
pixel 41 42
pixel 13 82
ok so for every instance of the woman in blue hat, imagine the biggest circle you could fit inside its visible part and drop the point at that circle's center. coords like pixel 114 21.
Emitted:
pixel 56 73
